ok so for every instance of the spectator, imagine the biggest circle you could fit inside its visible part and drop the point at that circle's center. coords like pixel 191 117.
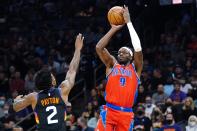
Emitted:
pixel 93 94
pixel 168 86
pixel 29 81
pixel 141 121
pixel 90 109
pixel 68 115
pixel 8 120
pixel 188 67
pixel 159 97
pixel 4 84
pixel 53 65
pixel 17 84
pixel 146 80
pixel 156 79
pixel 2 103
pixel 188 109
pixel 12 71
pixel 82 122
pixel 192 123
pixel 149 106
pixel 187 87
pixel 177 95
pixel 73 122
pixel 170 124
pixel 141 95
pixel 193 80
pixel 167 108
pixel 179 75
pixel 157 119
pixel 93 120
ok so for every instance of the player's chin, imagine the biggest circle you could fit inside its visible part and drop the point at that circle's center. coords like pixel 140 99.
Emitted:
pixel 122 61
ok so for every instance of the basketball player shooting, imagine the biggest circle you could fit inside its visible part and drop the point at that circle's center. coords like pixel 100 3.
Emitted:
pixel 49 104
pixel 123 76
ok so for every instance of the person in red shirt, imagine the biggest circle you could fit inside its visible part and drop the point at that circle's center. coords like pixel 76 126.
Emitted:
pixel 17 84
pixel 122 80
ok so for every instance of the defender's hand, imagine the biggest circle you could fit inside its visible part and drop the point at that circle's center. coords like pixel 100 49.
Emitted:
pixel 18 98
pixel 79 42
pixel 126 14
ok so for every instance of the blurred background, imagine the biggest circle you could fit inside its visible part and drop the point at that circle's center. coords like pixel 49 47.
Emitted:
pixel 36 34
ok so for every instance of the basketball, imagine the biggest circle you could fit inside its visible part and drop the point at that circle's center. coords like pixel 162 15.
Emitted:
pixel 115 15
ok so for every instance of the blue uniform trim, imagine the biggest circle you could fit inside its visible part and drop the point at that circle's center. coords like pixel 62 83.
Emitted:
pixel 103 114
pixel 119 108
pixel 105 94
pixel 131 126
pixel 107 75
pixel 136 95
pixel 136 73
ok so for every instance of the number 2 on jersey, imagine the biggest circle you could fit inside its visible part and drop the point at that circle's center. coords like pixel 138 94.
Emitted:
pixel 54 112
pixel 122 81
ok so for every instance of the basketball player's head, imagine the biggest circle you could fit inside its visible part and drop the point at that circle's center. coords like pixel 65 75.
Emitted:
pixel 125 55
pixel 44 80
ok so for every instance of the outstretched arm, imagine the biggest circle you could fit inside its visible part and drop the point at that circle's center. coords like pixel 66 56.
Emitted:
pixel 69 81
pixel 21 102
pixel 102 52
pixel 138 56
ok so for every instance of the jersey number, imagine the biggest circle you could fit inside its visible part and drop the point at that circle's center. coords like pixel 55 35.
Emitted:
pixel 54 112
pixel 122 81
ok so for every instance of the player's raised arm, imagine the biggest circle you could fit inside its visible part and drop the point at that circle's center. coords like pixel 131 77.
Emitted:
pixel 69 81
pixel 102 52
pixel 138 56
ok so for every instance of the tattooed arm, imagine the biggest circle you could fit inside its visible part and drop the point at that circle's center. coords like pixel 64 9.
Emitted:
pixel 21 102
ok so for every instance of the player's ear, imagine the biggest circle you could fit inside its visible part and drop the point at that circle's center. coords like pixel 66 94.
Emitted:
pixel 53 80
pixel 130 58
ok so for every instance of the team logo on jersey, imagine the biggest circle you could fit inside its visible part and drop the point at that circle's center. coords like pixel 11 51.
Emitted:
pixel 121 71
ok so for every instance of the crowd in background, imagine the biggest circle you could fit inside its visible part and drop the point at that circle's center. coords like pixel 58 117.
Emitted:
pixel 37 34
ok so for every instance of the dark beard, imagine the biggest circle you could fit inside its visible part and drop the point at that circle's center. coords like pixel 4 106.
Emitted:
pixel 123 62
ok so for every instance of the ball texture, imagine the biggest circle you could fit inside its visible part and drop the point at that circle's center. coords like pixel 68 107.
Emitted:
pixel 115 15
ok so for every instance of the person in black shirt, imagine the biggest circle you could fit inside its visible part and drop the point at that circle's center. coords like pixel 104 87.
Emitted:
pixel 141 122
pixel 49 104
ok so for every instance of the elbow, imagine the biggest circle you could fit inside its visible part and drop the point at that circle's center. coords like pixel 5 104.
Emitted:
pixel 98 48
pixel 15 109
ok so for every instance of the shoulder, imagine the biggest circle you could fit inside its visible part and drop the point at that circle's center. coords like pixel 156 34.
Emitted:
pixel 33 97
pixel 110 69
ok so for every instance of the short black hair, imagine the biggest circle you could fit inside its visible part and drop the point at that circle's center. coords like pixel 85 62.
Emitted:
pixel 43 80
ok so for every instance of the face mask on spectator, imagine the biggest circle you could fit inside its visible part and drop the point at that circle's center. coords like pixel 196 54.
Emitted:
pixel 192 123
pixel 169 122
pixel 160 92
pixel 156 113
pixel 2 102
pixel 148 103
pixel 140 112
pixel 5 112
pixel 168 104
